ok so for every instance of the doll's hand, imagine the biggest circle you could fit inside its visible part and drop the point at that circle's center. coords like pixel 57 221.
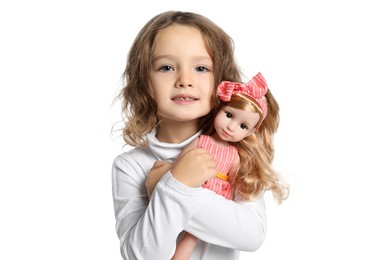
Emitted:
pixel 158 170
pixel 194 167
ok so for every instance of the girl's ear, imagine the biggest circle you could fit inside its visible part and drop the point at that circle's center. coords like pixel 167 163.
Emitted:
pixel 151 89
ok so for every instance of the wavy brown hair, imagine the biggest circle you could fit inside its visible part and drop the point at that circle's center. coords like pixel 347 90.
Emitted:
pixel 255 174
pixel 139 109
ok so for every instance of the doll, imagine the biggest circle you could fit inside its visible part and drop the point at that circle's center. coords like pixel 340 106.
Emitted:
pixel 243 109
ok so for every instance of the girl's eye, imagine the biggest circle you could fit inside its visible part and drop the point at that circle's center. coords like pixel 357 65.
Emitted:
pixel 201 69
pixel 243 126
pixel 166 68
pixel 228 115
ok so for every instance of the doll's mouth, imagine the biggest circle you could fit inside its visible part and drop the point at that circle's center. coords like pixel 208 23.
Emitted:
pixel 226 134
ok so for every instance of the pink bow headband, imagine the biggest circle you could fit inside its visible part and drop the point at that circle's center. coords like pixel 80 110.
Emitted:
pixel 256 89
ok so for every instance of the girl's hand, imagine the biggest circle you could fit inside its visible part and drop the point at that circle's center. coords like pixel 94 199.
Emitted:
pixel 158 170
pixel 194 167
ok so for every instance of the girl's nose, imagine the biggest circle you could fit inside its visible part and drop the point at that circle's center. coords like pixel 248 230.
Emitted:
pixel 184 80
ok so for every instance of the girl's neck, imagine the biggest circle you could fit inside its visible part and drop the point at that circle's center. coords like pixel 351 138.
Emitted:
pixel 176 132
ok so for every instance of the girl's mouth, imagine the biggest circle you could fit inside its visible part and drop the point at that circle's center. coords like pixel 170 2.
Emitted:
pixel 184 99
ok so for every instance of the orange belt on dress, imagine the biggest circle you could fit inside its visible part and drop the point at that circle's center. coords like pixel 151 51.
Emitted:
pixel 222 176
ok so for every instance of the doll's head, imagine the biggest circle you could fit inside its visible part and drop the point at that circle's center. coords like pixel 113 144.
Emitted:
pixel 256 150
pixel 138 106
pixel 249 97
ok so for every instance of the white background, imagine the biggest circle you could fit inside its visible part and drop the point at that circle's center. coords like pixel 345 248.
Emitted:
pixel 327 63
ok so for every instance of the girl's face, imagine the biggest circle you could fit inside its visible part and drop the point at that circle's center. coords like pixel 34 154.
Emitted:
pixel 233 125
pixel 182 77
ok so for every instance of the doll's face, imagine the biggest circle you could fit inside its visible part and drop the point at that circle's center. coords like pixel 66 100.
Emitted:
pixel 233 125
pixel 182 76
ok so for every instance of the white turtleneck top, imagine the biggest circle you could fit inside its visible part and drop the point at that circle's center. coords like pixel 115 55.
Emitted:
pixel 148 230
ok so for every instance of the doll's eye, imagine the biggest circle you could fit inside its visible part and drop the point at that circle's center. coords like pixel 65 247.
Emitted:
pixel 228 115
pixel 243 126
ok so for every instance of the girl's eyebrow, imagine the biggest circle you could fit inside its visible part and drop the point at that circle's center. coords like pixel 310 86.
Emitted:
pixel 159 57
pixel 170 56
pixel 199 57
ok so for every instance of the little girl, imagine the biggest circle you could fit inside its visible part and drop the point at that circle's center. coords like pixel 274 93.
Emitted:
pixel 243 110
pixel 173 68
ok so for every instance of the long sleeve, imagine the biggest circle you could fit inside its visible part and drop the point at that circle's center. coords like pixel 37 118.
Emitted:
pixel 239 225
pixel 147 230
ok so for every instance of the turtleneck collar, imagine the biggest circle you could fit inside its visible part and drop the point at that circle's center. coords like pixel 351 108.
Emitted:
pixel 167 151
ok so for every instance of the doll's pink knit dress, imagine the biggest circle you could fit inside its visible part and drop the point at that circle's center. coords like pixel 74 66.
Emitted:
pixel 224 157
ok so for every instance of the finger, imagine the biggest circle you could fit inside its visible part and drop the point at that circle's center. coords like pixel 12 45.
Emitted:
pixel 157 164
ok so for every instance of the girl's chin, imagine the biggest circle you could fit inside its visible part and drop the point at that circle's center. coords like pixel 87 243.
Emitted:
pixel 182 117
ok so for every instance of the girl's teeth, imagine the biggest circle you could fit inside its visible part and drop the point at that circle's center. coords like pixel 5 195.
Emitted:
pixel 182 99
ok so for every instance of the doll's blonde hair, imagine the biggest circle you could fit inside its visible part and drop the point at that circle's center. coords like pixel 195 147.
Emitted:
pixel 255 174
pixel 139 109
